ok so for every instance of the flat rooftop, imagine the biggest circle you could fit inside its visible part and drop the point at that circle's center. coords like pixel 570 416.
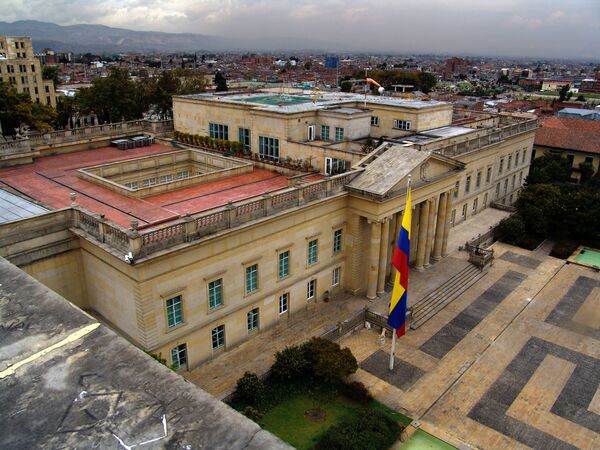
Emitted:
pixel 51 179
pixel 68 382
pixel 307 100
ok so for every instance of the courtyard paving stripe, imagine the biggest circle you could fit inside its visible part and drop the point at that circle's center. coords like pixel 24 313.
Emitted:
pixel 522 260
pixel 563 313
pixel 456 330
pixel 572 403
pixel 403 376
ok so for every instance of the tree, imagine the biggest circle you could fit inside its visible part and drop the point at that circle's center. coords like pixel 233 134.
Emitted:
pixel 17 109
pixel 250 389
pixel 346 86
pixel 580 98
pixel 112 98
pixel 291 363
pixel 221 82
pixel 549 168
pixel 586 169
pixel 563 94
pixel 50 73
pixel 330 363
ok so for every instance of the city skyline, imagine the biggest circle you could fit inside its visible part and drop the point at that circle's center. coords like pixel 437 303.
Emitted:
pixel 539 28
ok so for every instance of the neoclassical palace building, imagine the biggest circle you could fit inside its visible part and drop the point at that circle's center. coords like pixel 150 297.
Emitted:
pixel 191 246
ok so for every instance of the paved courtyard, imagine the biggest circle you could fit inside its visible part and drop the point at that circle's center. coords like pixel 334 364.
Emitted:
pixel 513 363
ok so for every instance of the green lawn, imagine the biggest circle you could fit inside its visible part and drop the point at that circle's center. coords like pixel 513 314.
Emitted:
pixel 288 421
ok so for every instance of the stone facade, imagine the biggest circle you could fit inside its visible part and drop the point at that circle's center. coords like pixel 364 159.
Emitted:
pixel 339 233
pixel 20 68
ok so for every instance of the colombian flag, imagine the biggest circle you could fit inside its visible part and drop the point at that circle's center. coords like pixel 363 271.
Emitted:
pixel 397 314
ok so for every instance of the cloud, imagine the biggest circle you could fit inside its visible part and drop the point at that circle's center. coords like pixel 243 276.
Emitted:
pixel 536 27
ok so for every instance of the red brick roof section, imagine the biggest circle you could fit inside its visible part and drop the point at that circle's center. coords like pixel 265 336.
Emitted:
pixel 51 179
pixel 569 134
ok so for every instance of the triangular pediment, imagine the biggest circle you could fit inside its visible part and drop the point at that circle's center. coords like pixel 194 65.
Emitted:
pixel 389 171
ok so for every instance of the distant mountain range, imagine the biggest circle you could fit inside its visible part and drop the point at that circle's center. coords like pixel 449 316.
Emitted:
pixel 107 40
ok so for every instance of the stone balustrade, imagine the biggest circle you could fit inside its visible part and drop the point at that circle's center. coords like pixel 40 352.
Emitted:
pixel 64 136
pixel 144 242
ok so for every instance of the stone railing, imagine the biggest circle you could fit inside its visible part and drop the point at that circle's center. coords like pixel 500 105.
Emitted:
pixel 144 242
pixel 501 207
pixel 483 138
pixel 108 131
pixel 15 147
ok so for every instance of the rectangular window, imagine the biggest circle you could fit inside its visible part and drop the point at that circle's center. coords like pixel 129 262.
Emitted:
pixel 509 163
pixel 284 301
pixel 520 178
pixel 311 289
pixel 132 185
pixel 335 276
pixel 183 174
pixel 218 337
pixel 505 185
pixel 464 211
pixel 324 132
pixel 337 241
pixel 251 278
pixel 312 252
pixel 218 131
pixel 488 175
pixel 453 216
pixel 215 294
pixel 570 158
pixel 252 320
pixel 374 121
pixel 478 182
pixel 456 189
pixel 485 197
pixel 165 178
pixel 402 124
pixel 501 166
pixel 475 206
pixel 516 159
pixel 498 190
pixel 514 178
pixel 284 264
pixel 524 153
pixel 589 159
pixel 149 182
pixel 244 139
pixel 334 166
pixel 179 356
pixel 268 148
pixel 339 134
pixel 47 89
pixel 174 311
pixel 468 185
pixel 311 132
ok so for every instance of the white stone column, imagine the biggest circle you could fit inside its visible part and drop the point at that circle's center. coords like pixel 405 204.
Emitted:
pixel 440 228
pixel 422 242
pixel 383 252
pixel 373 262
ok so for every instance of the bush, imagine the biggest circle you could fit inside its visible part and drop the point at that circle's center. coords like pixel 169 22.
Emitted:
pixel 330 363
pixel 369 430
pixel 291 363
pixel 252 413
pixel 563 249
pixel 512 230
pixel 356 391
pixel 250 389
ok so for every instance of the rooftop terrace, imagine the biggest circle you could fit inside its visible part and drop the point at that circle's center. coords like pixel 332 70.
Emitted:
pixel 50 180
pixel 307 100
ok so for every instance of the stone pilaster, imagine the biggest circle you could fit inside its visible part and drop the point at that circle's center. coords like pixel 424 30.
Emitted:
pixel 383 254
pixel 373 263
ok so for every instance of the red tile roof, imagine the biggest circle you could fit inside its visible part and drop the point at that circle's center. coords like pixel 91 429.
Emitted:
pixel 51 179
pixel 570 134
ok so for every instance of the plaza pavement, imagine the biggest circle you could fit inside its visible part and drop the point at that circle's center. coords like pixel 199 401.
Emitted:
pixel 514 362
pixel 219 375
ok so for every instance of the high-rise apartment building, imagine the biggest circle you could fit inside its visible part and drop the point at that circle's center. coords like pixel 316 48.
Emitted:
pixel 20 68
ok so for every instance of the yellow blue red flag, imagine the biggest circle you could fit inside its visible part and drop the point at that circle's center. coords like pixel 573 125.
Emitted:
pixel 397 313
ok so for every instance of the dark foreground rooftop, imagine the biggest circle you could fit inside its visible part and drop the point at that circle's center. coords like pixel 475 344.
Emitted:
pixel 68 382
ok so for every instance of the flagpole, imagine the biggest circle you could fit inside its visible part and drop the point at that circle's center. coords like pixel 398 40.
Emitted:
pixel 393 353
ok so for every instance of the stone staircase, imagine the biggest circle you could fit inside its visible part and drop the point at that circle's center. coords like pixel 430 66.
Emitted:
pixel 437 299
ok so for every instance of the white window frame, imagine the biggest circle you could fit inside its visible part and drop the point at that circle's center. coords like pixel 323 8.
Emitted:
pixel 284 300
pixel 219 332
pixel 336 276
pixel 311 289
pixel 401 124
pixel 312 131
pixel 253 320
pixel 176 353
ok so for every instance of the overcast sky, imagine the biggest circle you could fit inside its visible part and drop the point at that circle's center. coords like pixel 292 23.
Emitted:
pixel 544 28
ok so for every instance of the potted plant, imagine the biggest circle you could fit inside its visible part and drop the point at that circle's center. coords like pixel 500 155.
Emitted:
pixel 326 296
